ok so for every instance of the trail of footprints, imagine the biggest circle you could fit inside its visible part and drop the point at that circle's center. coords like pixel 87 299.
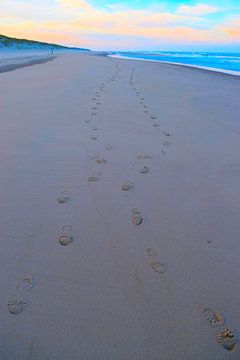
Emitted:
pixel 16 303
pixel 225 337
pixel 147 111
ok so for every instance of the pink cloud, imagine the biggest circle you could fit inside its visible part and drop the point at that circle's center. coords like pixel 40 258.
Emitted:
pixel 76 21
pixel 197 9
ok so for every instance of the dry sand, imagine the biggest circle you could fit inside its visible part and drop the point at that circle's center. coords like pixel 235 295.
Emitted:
pixel 120 200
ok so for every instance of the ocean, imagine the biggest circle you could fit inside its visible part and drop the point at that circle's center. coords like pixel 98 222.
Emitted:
pixel 218 61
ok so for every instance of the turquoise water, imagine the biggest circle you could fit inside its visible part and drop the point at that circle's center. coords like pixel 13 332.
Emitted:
pixel 217 60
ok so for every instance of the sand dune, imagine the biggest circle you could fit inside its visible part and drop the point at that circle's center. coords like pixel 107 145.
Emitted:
pixel 120 211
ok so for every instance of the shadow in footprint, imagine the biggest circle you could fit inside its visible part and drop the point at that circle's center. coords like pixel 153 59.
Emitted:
pixel 213 317
pixel 166 133
pixel 66 238
pixel 63 199
pixel 144 170
pixel 137 218
pixel 143 157
pixel 100 160
pixel 16 305
pixel 227 339
pixel 27 283
pixel 128 186
pixel 93 178
pixel 151 252
pixel 93 137
pixel 158 267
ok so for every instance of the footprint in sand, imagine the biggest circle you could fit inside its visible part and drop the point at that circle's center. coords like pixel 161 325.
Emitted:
pixel 98 103
pixel 151 252
pixel 100 160
pixel 127 186
pixel 166 143
pixel 153 117
pixel 16 305
pixel 163 152
pixel 94 177
pixel 63 199
pixel 213 317
pixel 158 267
pixel 27 283
pixel 137 218
pixel 87 121
pixel 227 339
pixel 95 129
pixel 108 147
pixel 93 137
pixel 94 108
pixel 145 111
pixel 143 157
pixel 166 133
pixel 94 98
pixel 142 98
pixel 66 238
pixel 93 114
pixel 144 170
pixel 156 125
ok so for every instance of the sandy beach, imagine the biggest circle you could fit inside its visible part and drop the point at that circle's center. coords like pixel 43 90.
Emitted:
pixel 120 199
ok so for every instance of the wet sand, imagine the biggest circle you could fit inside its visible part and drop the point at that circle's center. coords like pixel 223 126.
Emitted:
pixel 120 211
pixel 18 63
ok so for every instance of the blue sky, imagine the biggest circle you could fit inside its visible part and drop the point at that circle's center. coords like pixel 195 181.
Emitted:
pixel 126 25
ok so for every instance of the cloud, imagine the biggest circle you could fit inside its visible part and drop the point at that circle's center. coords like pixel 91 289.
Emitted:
pixel 77 21
pixel 232 28
pixel 75 4
pixel 197 9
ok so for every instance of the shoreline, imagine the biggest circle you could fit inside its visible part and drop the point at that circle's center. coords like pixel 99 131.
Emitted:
pixel 215 70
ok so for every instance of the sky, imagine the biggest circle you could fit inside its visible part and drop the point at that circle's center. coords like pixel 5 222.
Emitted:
pixel 185 25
